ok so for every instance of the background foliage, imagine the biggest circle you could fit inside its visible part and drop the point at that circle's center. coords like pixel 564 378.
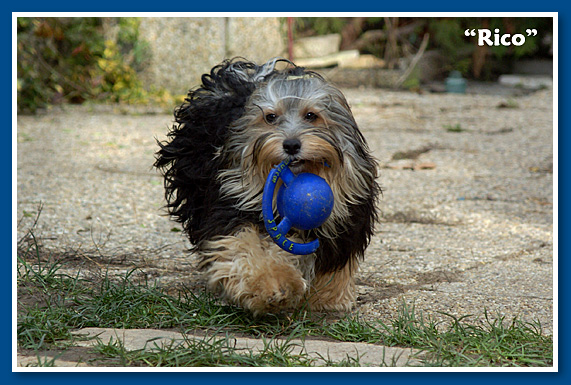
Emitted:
pixel 446 36
pixel 70 60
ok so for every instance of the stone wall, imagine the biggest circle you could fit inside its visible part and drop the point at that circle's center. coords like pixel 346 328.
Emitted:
pixel 182 49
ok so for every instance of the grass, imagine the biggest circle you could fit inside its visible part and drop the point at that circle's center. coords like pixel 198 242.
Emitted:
pixel 510 103
pixel 212 350
pixel 454 128
pixel 52 304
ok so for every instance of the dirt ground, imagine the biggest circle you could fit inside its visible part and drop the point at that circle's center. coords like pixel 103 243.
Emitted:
pixel 467 209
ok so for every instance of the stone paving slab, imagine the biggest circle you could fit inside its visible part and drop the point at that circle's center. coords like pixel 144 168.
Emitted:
pixel 319 350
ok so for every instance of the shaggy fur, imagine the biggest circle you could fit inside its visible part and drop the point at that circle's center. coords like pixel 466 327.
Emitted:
pixel 228 134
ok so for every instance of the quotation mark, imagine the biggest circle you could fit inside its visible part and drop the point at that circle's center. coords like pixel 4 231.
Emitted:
pixel 531 32
pixel 470 32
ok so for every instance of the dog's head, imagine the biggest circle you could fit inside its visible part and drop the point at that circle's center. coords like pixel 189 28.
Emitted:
pixel 294 113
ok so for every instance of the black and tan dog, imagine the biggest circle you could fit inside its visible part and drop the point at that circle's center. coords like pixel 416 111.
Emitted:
pixel 229 133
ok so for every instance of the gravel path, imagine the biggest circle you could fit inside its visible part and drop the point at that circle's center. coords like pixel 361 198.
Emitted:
pixel 467 225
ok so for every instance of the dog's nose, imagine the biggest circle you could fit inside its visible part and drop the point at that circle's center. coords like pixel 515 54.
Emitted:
pixel 291 146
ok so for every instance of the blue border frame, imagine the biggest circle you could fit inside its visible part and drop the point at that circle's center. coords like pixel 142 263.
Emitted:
pixel 313 6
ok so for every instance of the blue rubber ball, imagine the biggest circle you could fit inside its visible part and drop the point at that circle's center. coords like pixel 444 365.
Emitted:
pixel 307 201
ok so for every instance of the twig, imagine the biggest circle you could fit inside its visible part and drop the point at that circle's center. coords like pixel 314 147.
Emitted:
pixel 391 46
pixel 414 61
pixel 376 35
pixel 40 208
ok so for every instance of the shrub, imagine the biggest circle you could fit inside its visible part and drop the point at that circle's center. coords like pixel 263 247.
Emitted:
pixel 69 60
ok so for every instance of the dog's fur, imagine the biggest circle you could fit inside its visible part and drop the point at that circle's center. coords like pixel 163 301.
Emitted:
pixel 228 134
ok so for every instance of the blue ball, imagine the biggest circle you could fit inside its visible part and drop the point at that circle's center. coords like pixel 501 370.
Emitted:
pixel 307 201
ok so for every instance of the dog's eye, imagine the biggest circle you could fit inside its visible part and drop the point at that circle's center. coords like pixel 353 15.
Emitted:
pixel 271 118
pixel 310 116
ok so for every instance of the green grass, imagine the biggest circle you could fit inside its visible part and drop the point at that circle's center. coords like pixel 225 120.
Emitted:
pixel 454 128
pixel 53 304
pixel 213 350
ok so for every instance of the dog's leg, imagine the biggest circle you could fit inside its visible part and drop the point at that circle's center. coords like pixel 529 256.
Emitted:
pixel 249 270
pixel 333 291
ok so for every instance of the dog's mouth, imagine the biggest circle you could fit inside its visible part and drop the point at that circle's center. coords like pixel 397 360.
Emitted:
pixel 298 166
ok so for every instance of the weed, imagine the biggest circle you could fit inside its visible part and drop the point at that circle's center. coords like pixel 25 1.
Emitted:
pixel 454 128
pixel 510 103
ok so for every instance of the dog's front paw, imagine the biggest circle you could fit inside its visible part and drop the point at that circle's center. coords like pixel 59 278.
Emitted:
pixel 278 289
pixel 267 287
pixel 252 272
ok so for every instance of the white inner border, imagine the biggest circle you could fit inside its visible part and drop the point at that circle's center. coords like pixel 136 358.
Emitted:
pixel 553 15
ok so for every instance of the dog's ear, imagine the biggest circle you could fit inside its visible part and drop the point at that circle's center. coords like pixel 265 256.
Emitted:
pixel 188 158
pixel 354 234
pixel 219 100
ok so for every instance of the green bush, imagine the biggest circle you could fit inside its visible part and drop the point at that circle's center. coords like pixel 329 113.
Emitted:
pixel 69 60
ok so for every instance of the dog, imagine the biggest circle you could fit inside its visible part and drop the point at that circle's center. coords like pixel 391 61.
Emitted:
pixel 228 134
